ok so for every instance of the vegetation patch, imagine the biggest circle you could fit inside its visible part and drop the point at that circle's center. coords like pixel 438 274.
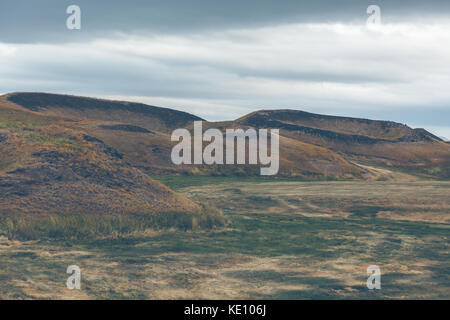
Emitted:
pixel 54 140
pixel 183 181
pixel 89 226
pixel 10 118
pixel 365 211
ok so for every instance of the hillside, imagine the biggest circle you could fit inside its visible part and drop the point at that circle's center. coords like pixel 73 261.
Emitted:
pixel 312 146
pixel 155 118
pixel 380 143
pixel 51 167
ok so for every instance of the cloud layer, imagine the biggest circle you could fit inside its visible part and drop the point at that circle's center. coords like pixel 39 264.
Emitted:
pixel 400 71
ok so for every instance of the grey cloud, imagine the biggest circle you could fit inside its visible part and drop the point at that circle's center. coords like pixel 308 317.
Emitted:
pixel 23 21
pixel 390 77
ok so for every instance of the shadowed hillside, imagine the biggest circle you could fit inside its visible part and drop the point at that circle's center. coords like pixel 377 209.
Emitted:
pixel 382 143
pixel 312 146
pixel 52 171
pixel 161 119
pixel 345 128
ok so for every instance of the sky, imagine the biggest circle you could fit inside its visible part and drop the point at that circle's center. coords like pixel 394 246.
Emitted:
pixel 223 59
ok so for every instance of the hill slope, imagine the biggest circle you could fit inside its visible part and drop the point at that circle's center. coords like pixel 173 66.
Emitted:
pixel 161 119
pixel 311 145
pixel 50 165
pixel 384 143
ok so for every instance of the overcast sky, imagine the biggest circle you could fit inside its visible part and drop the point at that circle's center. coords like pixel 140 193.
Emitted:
pixel 223 59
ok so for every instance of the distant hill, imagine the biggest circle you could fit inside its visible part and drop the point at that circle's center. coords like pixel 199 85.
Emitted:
pixel 342 129
pixel 312 146
pixel 361 141
pixel 160 119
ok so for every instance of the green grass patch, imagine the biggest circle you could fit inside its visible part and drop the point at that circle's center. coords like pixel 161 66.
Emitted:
pixel 59 141
pixel 10 118
pixel 365 211
pixel 183 181
pixel 88 226
pixel 269 235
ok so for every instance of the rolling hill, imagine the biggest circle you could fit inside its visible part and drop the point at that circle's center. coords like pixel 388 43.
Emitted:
pixel 155 118
pixel 312 146
pixel 50 166
pixel 361 141
pixel 63 154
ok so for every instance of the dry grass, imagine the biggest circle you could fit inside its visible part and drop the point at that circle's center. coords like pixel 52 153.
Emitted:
pixel 418 200
pixel 301 241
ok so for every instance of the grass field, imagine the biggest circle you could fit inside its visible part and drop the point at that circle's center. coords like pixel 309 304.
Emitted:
pixel 284 240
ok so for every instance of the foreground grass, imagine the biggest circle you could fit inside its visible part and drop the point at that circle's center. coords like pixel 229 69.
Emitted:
pixel 261 254
pixel 89 227
pixel 291 241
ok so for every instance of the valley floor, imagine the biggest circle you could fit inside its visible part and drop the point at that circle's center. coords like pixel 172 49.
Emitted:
pixel 284 240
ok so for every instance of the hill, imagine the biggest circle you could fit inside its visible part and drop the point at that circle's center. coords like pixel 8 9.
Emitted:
pixel 312 146
pixel 53 171
pixel 160 119
pixel 361 141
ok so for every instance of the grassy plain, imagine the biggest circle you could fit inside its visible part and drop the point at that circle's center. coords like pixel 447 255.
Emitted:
pixel 283 240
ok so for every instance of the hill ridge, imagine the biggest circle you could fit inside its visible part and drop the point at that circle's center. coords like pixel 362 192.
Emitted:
pixel 330 146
